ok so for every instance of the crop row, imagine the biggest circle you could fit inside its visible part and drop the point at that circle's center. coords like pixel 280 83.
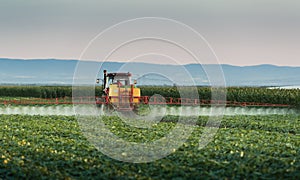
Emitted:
pixel 245 147
pixel 239 94
pixel 43 91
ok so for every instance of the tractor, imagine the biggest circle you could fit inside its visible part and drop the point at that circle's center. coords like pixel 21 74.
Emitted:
pixel 118 92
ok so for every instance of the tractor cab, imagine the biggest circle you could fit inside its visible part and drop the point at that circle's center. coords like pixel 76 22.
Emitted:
pixel 113 80
pixel 119 79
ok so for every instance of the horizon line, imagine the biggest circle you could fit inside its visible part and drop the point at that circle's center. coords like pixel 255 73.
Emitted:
pixel 116 61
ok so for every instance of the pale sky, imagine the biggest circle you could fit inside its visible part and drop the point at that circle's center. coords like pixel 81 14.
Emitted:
pixel 241 32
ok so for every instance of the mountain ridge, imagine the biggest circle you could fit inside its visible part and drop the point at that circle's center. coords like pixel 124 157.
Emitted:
pixel 55 71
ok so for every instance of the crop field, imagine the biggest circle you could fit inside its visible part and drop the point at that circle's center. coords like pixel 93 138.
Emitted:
pixel 239 94
pixel 47 141
pixel 265 147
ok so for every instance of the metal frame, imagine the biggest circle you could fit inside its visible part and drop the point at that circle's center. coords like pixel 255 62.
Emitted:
pixel 142 100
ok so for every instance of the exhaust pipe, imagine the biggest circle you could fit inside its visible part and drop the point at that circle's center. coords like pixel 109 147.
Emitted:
pixel 104 80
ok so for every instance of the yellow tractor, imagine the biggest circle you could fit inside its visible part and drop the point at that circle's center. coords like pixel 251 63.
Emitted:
pixel 119 92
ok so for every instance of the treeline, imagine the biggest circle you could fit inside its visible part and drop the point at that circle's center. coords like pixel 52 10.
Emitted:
pixel 239 94
pixel 41 91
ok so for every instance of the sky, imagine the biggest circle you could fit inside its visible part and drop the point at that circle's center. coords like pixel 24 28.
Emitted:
pixel 240 32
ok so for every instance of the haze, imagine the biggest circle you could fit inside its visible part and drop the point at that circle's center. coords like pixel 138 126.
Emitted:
pixel 241 33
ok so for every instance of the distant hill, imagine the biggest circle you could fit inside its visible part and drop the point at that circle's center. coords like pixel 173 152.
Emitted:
pixel 60 72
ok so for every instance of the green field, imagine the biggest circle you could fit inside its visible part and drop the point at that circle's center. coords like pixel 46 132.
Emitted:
pixel 239 94
pixel 245 147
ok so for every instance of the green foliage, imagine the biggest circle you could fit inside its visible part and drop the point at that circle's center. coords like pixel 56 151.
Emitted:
pixel 42 91
pixel 239 94
pixel 245 147
pixel 263 95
